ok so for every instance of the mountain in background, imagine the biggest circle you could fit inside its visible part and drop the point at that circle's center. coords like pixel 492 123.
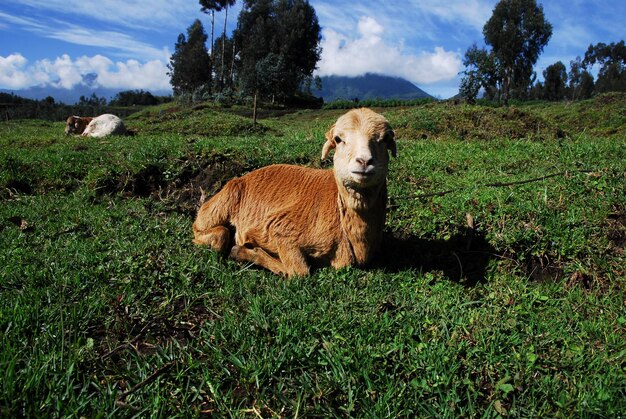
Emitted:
pixel 368 86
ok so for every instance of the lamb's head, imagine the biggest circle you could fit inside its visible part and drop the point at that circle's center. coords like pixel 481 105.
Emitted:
pixel 75 125
pixel 361 139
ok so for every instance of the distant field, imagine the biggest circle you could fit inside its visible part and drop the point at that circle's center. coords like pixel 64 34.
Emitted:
pixel 501 289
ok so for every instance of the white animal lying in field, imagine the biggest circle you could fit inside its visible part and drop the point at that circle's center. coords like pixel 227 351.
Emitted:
pixel 289 218
pixel 99 126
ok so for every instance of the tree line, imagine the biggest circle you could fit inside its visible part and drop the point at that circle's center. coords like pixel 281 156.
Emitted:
pixel 579 83
pixel 122 104
pixel 515 36
pixel 270 56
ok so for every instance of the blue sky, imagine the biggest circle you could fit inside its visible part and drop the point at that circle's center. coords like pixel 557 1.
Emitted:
pixel 128 43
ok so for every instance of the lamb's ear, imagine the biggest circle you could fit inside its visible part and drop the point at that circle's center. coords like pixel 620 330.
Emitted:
pixel 330 142
pixel 391 142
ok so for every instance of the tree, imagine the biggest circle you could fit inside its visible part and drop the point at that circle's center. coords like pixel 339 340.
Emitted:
pixel 300 33
pixel 224 67
pixel 612 61
pixel 278 39
pixel 270 70
pixel 482 71
pixel 536 92
pixel 190 64
pixel 470 87
pixel 288 29
pixel 581 83
pixel 517 32
pixel 253 36
pixel 225 5
pixel 134 97
pixel 587 85
pixel 555 79
pixel 93 101
pixel 210 7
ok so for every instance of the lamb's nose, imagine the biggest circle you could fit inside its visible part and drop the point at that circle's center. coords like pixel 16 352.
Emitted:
pixel 363 162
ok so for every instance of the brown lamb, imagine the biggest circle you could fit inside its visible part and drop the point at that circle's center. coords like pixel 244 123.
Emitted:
pixel 290 218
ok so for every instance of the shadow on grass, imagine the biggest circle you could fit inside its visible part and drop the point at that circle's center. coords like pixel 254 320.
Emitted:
pixel 464 258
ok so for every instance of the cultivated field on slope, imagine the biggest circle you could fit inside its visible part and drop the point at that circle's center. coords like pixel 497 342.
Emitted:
pixel 500 289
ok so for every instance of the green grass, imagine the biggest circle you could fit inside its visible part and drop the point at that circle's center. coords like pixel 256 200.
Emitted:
pixel 106 307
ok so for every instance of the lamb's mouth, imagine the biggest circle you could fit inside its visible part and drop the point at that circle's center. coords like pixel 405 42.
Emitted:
pixel 363 173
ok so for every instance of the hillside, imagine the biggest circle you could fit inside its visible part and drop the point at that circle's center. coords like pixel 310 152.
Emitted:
pixel 368 86
pixel 498 292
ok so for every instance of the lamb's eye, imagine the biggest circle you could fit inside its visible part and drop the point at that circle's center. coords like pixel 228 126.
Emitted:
pixel 337 139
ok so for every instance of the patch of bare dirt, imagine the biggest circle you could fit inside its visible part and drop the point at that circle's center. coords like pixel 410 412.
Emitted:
pixel 181 191
pixel 615 225
pixel 542 269
pixel 134 332
pixel 207 175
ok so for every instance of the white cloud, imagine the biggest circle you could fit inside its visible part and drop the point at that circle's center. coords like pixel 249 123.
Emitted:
pixel 11 71
pixel 134 75
pixel 64 72
pixel 369 53
pixel 369 27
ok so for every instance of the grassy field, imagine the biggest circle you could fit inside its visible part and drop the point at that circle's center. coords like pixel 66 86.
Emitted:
pixel 500 290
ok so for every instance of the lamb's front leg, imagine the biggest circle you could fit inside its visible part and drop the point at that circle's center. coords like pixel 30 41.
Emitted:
pixel 291 262
pixel 217 238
